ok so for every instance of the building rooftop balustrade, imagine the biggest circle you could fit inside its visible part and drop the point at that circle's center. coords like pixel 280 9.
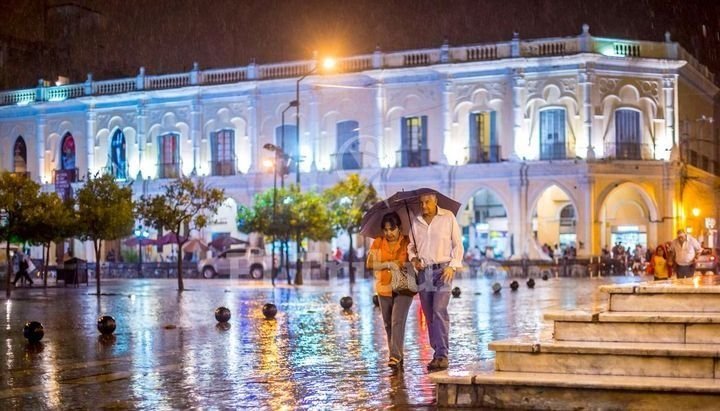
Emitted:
pixel 516 48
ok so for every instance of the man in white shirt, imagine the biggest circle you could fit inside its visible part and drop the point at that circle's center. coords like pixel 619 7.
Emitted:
pixel 685 250
pixel 436 252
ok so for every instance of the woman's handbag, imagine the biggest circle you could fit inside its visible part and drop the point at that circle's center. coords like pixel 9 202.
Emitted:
pixel 404 281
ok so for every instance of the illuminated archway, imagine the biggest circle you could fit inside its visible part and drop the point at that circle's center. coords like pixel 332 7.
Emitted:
pixel 487 232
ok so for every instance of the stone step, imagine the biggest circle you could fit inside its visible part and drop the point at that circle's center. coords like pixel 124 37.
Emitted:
pixel 640 327
pixel 608 358
pixel 562 391
pixel 699 295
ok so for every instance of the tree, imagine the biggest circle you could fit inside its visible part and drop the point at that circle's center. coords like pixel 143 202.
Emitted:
pixel 18 199
pixel 347 202
pixel 298 214
pixel 52 221
pixel 184 204
pixel 106 213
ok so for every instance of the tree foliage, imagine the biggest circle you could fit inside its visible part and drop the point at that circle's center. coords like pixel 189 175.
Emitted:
pixel 106 213
pixel 347 202
pixel 184 205
pixel 18 200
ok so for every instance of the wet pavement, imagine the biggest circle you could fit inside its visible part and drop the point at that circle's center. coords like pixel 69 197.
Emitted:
pixel 168 351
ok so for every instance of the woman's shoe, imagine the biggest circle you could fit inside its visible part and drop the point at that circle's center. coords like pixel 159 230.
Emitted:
pixel 394 362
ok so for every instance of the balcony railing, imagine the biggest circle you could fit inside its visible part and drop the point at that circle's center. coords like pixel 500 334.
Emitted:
pixel 118 174
pixel 169 170
pixel 488 154
pixel 223 168
pixel 349 160
pixel 625 151
pixel 554 151
pixel 414 158
pixel 582 43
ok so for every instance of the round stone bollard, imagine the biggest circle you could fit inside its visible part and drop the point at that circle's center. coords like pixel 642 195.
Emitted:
pixel 456 292
pixel 496 288
pixel 545 277
pixel 346 302
pixel 376 300
pixel 222 314
pixel 514 285
pixel 106 325
pixel 269 311
pixel 33 331
pixel 530 283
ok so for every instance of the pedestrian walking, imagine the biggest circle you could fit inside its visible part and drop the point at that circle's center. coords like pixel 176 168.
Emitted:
pixel 388 253
pixel 436 252
pixel 685 250
pixel 23 266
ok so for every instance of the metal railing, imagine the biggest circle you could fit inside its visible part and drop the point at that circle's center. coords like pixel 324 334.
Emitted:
pixel 625 151
pixel 413 158
pixel 169 170
pixel 348 160
pixel 223 167
pixel 487 154
pixel 554 151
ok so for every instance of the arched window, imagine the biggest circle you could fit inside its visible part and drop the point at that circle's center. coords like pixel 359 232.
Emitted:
pixel 413 144
pixel 553 145
pixel 286 139
pixel 222 151
pixel 169 156
pixel 482 142
pixel 628 138
pixel 20 156
pixel 348 155
pixel 67 152
pixel 117 155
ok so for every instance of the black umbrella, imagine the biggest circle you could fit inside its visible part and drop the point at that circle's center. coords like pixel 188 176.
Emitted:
pixel 407 205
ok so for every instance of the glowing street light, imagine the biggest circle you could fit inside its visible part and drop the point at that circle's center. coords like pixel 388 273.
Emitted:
pixel 141 234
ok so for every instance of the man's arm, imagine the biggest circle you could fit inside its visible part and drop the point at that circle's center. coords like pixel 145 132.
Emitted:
pixel 457 246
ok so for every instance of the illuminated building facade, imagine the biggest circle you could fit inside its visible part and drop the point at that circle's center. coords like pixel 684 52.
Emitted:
pixel 582 139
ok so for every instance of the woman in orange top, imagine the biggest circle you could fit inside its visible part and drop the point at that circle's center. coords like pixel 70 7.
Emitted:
pixel 660 264
pixel 389 253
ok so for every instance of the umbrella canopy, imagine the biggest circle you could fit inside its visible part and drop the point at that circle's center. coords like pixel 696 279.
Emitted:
pixel 133 241
pixel 407 205
pixel 169 238
pixel 224 241
pixel 195 244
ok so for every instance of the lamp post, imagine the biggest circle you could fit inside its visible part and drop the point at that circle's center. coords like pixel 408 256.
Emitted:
pixel 328 64
pixel 278 153
pixel 141 234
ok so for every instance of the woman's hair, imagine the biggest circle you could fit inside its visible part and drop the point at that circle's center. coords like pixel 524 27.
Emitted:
pixel 393 219
pixel 661 250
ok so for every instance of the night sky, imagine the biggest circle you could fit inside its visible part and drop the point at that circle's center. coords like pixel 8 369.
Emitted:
pixel 113 38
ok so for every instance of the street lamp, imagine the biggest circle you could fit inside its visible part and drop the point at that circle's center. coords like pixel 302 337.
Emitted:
pixel 328 64
pixel 279 153
pixel 140 234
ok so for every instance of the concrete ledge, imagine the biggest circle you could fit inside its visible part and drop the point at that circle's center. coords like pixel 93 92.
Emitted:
pixel 609 348
pixel 665 302
pixel 575 315
pixel 600 332
pixel 533 391
pixel 659 317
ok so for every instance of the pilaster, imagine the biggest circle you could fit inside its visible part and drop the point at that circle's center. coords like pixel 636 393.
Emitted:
pixel 41 131
pixel 90 131
pixel 518 85
pixel 195 132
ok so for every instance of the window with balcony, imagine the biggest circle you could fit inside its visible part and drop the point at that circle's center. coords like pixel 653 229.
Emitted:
pixel 222 153
pixel 118 156
pixel 628 139
pixel 20 156
pixel 482 143
pixel 348 156
pixel 286 138
pixel 169 166
pixel 553 145
pixel 413 146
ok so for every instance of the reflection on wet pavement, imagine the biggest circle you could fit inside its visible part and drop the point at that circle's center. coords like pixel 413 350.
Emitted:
pixel 168 352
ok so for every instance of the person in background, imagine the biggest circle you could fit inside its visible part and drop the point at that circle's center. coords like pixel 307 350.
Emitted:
pixel 659 264
pixel 685 249
pixel 389 253
pixel 23 266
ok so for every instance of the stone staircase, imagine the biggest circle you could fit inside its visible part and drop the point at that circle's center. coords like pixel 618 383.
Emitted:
pixel 656 346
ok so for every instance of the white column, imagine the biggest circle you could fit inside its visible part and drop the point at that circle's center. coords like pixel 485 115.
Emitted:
pixel 585 220
pixel 91 129
pixel 140 140
pixel 379 114
pixel 586 81
pixel 195 132
pixel 518 84
pixel 515 218
pixel 669 102
pixel 447 114
pixel 41 129
pixel 315 130
pixel 255 145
